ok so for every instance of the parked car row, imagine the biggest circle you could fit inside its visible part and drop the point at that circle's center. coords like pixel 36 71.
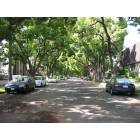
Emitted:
pixel 27 83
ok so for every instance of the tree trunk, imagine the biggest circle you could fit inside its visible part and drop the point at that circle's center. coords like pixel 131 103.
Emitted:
pixel 10 61
pixel 109 43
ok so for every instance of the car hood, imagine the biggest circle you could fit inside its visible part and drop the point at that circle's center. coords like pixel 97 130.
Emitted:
pixel 38 80
pixel 14 83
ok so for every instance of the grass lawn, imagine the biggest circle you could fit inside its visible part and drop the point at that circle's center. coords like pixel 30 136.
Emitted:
pixel 138 90
pixel 2 89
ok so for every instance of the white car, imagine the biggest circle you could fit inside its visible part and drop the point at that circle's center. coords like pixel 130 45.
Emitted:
pixel 52 80
pixel 40 81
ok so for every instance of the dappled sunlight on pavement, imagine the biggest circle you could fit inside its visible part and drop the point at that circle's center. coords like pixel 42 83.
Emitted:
pixel 72 100
pixel 128 101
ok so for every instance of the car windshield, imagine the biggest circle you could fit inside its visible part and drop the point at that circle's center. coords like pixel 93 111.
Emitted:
pixel 38 78
pixel 123 80
pixel 16 80
pixel 25 79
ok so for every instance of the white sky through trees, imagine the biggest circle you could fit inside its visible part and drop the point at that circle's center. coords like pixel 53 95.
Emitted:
pixel 132 37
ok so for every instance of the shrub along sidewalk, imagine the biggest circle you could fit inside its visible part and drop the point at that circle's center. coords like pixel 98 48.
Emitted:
pixel 137 85
pixel 2 90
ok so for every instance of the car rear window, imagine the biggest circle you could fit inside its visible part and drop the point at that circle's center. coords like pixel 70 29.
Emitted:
pixel 37 78
pixel 123 80
pixel 25 79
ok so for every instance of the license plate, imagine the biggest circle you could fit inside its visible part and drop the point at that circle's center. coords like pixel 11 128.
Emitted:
pixel 125 86
pixel 12 88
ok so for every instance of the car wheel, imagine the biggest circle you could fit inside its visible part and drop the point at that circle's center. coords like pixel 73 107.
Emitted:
pixel 33 87
pixel 132 93
pixel 27 88
pixel 7 92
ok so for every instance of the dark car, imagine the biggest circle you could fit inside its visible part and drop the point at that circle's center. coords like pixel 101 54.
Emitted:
pixel 25 83
pixel 120 85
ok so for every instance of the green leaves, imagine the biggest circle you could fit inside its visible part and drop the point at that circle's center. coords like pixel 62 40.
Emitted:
pixel 64 44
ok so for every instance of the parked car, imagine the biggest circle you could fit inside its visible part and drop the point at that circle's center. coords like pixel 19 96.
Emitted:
pixel 40 81
pixel 17 85
pixel 120 85
pixel 51 80
pixel 62 78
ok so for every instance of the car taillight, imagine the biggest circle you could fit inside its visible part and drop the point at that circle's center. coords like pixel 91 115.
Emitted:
pixel 132 85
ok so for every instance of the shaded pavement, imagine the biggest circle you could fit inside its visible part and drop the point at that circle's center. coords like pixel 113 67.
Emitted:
pixel 72 100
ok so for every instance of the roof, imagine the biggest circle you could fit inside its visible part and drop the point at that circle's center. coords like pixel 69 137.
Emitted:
pixel 131 54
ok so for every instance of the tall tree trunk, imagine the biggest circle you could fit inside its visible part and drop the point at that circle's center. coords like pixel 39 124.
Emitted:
pixel 103 65
pixel 109 42
pixel 10 61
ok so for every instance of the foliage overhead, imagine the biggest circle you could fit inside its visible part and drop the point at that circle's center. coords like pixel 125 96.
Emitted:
pixel 65 45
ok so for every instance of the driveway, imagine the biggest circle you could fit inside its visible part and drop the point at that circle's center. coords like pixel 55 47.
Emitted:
pixel 69 101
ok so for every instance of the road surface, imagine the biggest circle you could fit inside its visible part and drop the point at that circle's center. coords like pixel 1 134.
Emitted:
pixel 69 101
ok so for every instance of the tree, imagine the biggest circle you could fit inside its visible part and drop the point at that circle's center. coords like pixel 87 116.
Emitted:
pixel 61 46
pixel 9 27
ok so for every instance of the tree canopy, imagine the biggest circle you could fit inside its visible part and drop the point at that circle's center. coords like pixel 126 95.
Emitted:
pixel 64 45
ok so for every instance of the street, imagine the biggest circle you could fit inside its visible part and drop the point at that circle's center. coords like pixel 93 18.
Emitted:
pixel 69 101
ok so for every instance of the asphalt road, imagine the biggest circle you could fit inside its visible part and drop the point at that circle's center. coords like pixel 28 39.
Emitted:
pixel 69 101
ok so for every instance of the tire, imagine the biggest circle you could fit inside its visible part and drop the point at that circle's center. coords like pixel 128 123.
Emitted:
pixel 33 87
pixel 27 88
pixel 132 93
pixel 7 92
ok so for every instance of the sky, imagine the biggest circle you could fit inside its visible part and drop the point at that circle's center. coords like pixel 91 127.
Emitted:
pixel 132 37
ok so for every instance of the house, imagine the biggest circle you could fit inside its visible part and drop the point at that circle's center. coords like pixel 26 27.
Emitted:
pixel 130 57
pixel 18 68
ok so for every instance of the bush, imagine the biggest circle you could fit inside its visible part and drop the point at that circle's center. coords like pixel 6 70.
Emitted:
pixel 133 74
pixel 109 75
pixel 2 89
pixel 137 79
pixel 123 72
